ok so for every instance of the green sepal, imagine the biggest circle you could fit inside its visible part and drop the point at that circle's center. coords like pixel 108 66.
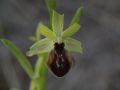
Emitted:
pixel 71 30
pixel 73 45
pixel 42 46
pixel 57 23
pixel 45 31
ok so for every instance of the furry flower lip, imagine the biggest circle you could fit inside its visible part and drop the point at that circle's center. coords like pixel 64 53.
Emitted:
pixel 59 60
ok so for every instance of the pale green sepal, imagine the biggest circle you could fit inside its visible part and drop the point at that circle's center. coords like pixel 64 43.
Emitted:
pixel 42 46
pixel 73 45
pixel 57 23
pixel 71 30
pixel 45 31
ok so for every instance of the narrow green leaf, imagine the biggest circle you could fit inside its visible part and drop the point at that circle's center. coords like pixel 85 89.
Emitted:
pixel 71 30
pixel 45 31
pixel 57 23
pixel 73 45
pixel 20 56
pixel 42 46
pixel 76 17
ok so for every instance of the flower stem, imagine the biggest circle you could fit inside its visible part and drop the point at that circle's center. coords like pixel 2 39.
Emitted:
pixel 40 74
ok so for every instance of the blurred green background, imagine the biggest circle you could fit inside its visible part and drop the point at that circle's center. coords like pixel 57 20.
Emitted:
pixel 98 68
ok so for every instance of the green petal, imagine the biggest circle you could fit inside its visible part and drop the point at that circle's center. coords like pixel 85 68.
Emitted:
pixel 71 30
pixel 45 31
pixel 73 45
pixel 21 58
pixel 76 17
pixel 57 23
pixel 42 46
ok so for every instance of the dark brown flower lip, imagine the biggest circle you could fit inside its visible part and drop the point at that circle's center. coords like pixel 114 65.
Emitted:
pixel 59 61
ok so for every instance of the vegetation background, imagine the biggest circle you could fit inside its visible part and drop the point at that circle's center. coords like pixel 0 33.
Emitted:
pixel 98 68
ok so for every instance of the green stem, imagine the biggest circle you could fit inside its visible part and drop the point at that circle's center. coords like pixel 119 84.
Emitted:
pixel 42 73
pixel 43 79
pixel 40 76
pixel 32 85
